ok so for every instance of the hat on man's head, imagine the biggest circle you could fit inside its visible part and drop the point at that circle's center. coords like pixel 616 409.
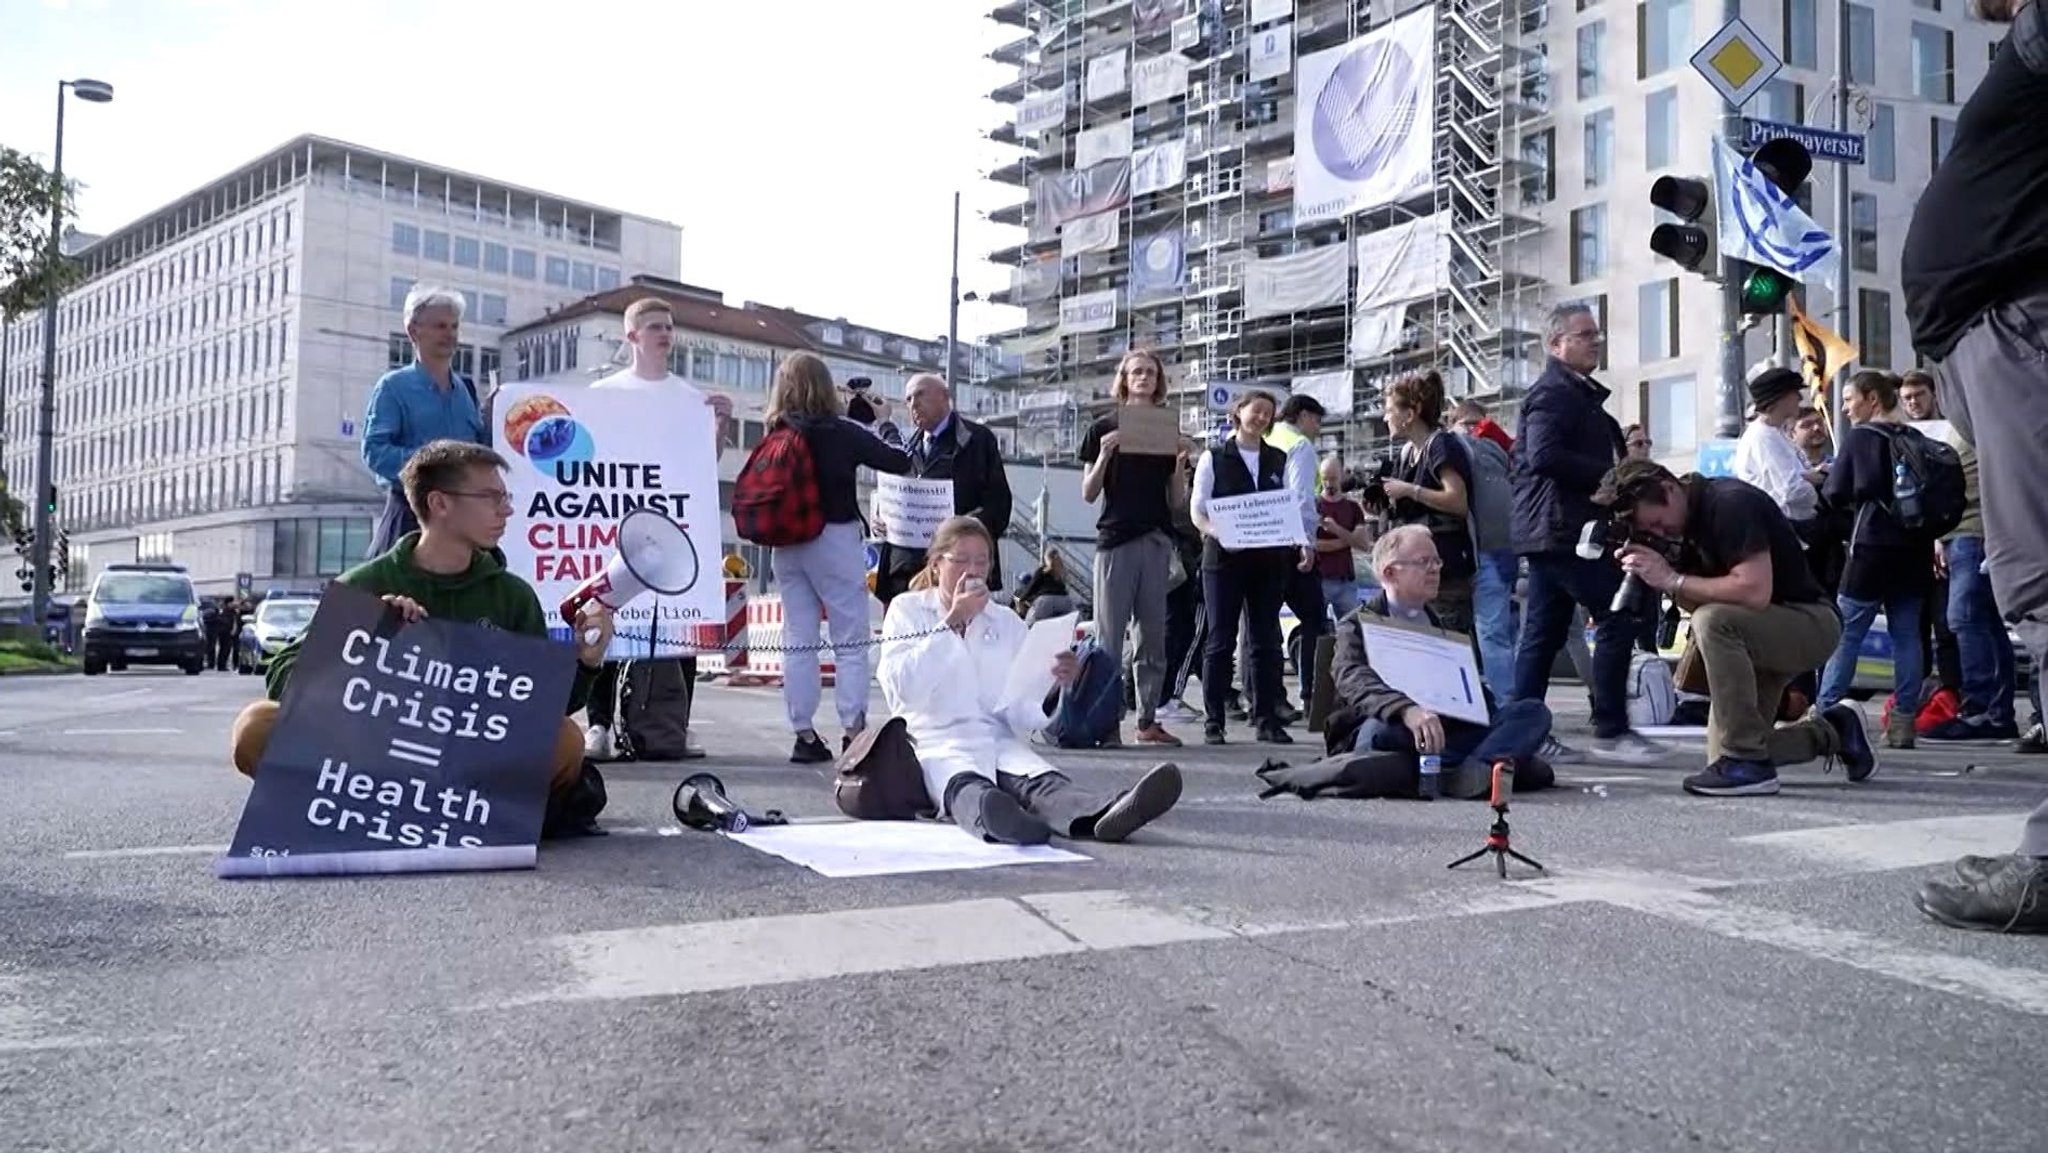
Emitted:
pixel 1773 384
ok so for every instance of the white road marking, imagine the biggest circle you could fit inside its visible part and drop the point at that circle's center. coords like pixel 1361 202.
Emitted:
pixel 23 1027
pixel 122 732
pixel 1897 844
pixel 146 851
pixel 678 960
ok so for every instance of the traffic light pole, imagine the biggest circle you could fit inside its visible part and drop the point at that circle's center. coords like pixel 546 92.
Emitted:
pixel 46 424
pixel 1843 236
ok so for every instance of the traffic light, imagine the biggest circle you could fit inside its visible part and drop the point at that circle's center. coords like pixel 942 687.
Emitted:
pixel 1786 164
pixel 50 500
pixel 1689 243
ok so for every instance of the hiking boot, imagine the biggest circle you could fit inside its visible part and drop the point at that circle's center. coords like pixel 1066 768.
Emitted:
pixel 1998 895
pixel 1852 744
pixel 1898 731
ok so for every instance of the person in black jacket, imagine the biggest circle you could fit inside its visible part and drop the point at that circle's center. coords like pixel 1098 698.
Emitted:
pixel 826 577
pixel 948 446
pixel 1244 584
pixel 1565 442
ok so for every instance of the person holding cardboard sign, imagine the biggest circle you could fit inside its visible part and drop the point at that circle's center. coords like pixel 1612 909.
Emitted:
pixel 447 570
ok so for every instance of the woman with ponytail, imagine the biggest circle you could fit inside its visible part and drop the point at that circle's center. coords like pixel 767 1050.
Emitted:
pixel 947 651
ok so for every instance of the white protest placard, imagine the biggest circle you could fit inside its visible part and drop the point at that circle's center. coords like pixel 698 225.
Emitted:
pixel 911 510
pixel 1435 670
pixel 1269 519
pixel 581 459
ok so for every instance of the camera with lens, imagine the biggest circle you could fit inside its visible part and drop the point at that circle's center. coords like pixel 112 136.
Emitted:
pixel 858 407
pixel 1605 536
pixel 1370 484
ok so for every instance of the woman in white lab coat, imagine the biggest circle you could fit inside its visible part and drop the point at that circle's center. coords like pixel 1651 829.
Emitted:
pixel 945 669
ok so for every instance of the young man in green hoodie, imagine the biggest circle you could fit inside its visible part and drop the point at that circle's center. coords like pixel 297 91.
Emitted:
pixel 448 570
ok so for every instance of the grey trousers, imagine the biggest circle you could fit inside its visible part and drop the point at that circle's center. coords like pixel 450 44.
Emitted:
pixel 1130 589
pixel 1994 388
pixel 1066 808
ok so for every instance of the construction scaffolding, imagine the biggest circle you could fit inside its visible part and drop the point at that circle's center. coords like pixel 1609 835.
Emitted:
pixel 1158 150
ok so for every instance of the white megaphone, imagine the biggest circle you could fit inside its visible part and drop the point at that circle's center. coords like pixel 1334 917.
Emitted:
pixel 655 555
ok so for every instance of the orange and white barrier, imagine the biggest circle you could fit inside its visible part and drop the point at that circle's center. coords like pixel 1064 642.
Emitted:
pixel 765 636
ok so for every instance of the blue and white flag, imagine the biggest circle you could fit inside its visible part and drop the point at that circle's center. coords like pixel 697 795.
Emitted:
pixel 1761 224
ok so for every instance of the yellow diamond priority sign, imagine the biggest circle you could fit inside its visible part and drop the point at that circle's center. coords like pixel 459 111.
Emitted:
pixel 1737 62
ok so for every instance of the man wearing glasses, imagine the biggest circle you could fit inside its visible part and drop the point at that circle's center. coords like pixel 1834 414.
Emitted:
pixel 1565 444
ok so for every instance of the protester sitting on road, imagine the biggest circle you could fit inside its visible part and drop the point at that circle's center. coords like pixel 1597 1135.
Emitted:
pixel 447 571
pixel 1758 617
pixel 1370 715
pixel 947 652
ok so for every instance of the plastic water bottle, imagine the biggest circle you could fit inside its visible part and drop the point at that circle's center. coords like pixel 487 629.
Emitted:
pixel 1432 776
pixel 1905 494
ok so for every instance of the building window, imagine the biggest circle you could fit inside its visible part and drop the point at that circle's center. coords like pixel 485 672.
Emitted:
pixel 1884 144
pixel 1592 42
pixel 1929 5
pixel 524 264
pixel 583 277
pixel 497 258
pixel 558 271
pixel 1663 35
pixel 1672 412
pixel 400 288
pixel 468 252
pixel 491 309
pixel 397 350
pixel 318 546
pixel 1934 63
pixel 1941 136
pixel 1874 327
pixel 1862 45
pixel 1599 153
pixel 1784 102
pixel 607 279
pixel 1657 320
pixel 1802 33
pixel 1539 185
pixel 434 246
pixel 405 238
pixel 1589 242
pixel 1660 128
pixel 1863 232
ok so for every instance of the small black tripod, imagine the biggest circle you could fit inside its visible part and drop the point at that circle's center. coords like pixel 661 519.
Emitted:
pixel 1497 837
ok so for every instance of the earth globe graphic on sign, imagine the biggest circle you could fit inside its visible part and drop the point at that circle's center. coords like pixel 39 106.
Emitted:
pixel 1366 110
pixel 527 412
pixel 559 440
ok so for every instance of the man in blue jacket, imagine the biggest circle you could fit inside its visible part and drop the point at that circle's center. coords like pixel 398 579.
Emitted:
pixel 418 404
pixel 1565 442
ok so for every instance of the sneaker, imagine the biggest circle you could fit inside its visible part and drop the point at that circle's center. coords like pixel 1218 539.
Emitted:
pixel 1180 713
pixel 2034 742
pixel 1274 733
pixel 1732 778
pixel 1212 734
pixel 1145 802
pixel 1629 747
pixel 1005 822
pixel 2009 896
pixel 1558 753
pixel 1852 743
pixel 1899 734
pixel 1114 740
pixel 1287 714
pixel 810 750
pixel 1153 734
pixel 1960 729
pixel 692 751
pixel 597 743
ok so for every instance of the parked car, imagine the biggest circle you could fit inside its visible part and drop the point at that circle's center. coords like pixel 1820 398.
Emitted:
pixel 143 614
pixel 277 622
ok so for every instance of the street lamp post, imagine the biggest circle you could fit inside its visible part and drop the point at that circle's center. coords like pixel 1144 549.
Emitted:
pixel 95 92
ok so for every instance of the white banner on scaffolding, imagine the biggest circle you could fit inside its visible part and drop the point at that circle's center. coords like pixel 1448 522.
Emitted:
pixel 1089 312
pixel 1378 331
pixel 1159 167
pixel 1333 389
pixel 1404 262
pixel 1157 78
pixel 1102 142
pixel 1280 174
pixel 1098 233
pixel 1297 282
pixel 1108 75
pixel 1365 121
pixel 1042 111
pixel 1158 266
pixel 1264 10
pixel 1271 52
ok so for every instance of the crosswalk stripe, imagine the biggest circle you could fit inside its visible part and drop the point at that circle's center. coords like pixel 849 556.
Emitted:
pixel 1897 844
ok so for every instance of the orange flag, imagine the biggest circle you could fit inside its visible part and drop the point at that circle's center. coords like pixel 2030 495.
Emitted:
pixel 1822 354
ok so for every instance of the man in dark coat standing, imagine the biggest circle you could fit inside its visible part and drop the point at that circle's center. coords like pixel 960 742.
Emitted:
pixel 1565 442
pixel 948 446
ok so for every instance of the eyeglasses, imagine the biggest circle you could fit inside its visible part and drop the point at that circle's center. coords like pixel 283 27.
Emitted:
pixel 967 561
pixel 1433 564
pixel 499 496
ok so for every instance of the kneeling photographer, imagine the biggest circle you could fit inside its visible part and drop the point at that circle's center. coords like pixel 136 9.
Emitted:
pixel 1723 550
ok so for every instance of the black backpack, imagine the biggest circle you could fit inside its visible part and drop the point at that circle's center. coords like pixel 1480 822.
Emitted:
pixel 653 710
pixel 1938 469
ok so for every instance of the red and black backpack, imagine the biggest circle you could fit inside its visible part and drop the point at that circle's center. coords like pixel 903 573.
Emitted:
pixel 775 499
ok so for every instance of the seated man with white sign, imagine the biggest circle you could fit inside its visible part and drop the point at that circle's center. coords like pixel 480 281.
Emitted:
pixel 1370 715
pixel 447 570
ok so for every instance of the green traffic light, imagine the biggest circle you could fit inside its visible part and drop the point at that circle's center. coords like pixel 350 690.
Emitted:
pixel 1764 291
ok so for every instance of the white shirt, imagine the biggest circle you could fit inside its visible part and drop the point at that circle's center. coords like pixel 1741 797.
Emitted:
pixel 627 378
pixel 1767 458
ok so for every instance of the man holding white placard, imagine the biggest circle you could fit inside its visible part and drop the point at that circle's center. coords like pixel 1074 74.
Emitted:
pixel 956 467
pixel 1403 687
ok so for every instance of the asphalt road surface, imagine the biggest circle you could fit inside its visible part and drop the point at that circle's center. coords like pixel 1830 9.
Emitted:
pixel 1246 975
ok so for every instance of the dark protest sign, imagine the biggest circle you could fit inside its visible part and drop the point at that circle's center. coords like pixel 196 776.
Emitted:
pixel 405 748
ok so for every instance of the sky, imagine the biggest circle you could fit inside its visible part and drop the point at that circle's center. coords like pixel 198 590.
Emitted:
pixel 809 149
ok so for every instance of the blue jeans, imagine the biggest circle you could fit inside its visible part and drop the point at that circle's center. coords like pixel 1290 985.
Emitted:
pixel 1519 729
pixel 1557 581
pixel 1902 625
pixel 1493 620
pixel 1091 709
pixel 1982 644
pixel 1341 596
